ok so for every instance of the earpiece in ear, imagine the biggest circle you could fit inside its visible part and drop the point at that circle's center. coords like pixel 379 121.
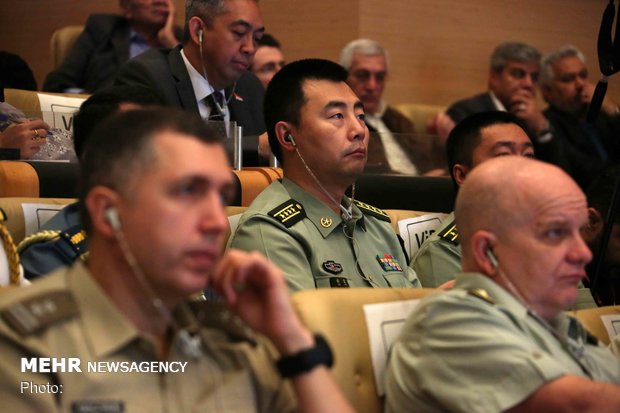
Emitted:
pixel 289 138
pixel 491 256
pixel 111 216
pixel 200 36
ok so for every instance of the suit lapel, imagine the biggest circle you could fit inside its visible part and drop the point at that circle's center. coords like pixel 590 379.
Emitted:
pixel 183 84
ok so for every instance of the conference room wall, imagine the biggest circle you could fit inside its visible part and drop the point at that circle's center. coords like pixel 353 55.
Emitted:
pixel 439 48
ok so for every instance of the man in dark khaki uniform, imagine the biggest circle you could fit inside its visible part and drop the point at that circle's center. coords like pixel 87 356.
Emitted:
pixel 153 184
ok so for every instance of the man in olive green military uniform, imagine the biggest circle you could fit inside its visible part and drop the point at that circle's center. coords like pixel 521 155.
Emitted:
pixel 500 340
pixel 304 223
pixel 118 334
pixel 476 139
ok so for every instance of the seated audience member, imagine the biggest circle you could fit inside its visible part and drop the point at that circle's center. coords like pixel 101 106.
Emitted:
pixel 109 40
pixel 500 341
pixel 580 148
pixel 393 147
pixel 513 79
pixel 304 223
pixel 15 73
pixel 268 59
pixel 603 276
pixel 207 73
pixel 476 139
pixel 152 190
pixel 62 239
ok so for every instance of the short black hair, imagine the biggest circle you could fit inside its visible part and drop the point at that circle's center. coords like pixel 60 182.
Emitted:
pixel 105 103
pixel 466 135
pixel 268 40
pixel 120 147
pixel 284 96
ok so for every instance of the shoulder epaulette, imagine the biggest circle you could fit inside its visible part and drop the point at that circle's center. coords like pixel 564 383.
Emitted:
pixel 76 238
pixel 35 313
pixel 482 294
pixel 288 213
pixel 217 316
pixel 450 233
pixel 372 211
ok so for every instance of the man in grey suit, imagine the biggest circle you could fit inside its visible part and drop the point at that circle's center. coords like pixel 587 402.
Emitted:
pixel 207 73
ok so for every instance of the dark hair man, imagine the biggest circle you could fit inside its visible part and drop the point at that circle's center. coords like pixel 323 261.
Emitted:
pixel 154 185
pixel 304 223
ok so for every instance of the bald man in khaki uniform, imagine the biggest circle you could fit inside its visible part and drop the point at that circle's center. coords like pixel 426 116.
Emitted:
pixel 500 341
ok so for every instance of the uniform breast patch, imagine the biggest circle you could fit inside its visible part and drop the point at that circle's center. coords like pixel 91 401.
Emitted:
pixel 288 213
pixel 450 234
pixel 332 267
pixel 338 282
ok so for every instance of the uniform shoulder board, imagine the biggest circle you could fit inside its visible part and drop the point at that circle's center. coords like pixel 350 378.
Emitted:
pixel 372 211
pixel 482 294
pixel 216 316
pixel 35 313
pixel 450 234
pixel 288 213
pixel 76 238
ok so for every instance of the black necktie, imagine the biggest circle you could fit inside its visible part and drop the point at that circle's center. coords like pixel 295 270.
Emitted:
pixel 216 102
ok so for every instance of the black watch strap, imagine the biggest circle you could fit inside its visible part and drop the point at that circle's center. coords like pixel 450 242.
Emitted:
pixel 306 360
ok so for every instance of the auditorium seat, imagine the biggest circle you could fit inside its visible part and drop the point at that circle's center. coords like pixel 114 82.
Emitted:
pixel 338 314
pixel 422 115
pixel 17 222
pixel 38 179
pixel 62 41
pixel 249 182
pixel 591 319
pixel 28 101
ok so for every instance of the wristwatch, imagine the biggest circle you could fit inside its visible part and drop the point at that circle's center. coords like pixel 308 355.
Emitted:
pixel 306 360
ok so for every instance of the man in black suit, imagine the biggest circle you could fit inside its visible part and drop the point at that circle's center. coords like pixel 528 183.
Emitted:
pixel 108 41
pixel 513 79
pixel 582 149
pixel 207 73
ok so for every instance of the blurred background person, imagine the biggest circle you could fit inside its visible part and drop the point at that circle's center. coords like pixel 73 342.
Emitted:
pixel 268 59
pixel 109 40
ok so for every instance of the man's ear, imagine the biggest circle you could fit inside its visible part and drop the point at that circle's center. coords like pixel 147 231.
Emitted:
pixel 595 226
pixel 483 252
pixel 283 130
pixel 459 171
pixel 97 202
pixel 195 27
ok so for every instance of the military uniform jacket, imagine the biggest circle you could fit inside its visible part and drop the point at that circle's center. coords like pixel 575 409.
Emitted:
pixel 68 315
pixel 307 241
pixel 476 348
pixel 439 258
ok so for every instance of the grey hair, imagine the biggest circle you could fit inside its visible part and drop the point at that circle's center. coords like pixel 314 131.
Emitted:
pixel 546 70
pixel 365 47
pixel 520 52
pixel 205 9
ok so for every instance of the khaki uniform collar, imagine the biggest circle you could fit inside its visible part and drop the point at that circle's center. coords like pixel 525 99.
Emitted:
pixel 105 328
pixel 319 213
